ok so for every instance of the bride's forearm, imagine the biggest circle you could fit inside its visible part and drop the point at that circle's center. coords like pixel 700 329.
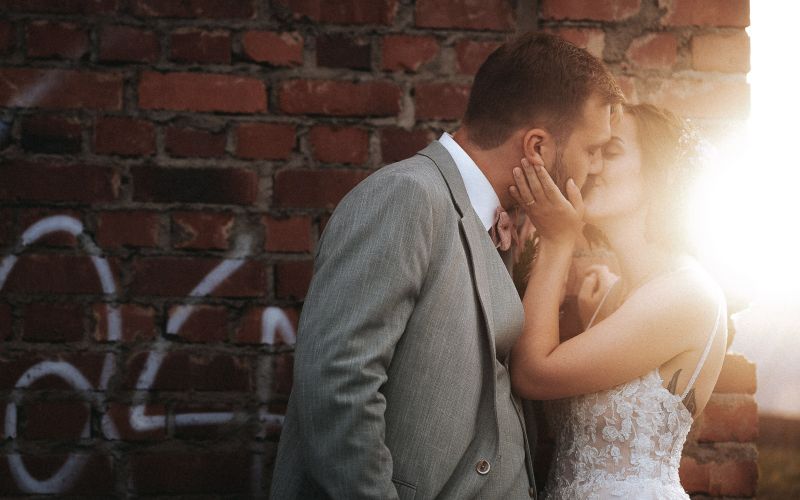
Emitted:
pixel 540 335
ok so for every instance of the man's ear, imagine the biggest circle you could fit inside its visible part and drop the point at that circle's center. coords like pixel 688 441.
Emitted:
pixel 538 146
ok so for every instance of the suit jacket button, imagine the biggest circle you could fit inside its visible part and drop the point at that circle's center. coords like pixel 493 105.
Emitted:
pixel 483 467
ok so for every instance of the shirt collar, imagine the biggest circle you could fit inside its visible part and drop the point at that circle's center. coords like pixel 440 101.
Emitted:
pixel 480 192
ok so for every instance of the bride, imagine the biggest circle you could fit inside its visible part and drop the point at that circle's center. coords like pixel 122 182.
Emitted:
pixel 629 386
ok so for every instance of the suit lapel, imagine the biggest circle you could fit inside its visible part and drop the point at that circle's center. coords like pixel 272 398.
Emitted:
pixel 471 227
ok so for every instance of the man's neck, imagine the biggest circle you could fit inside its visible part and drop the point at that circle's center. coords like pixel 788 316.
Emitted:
pixel 491 163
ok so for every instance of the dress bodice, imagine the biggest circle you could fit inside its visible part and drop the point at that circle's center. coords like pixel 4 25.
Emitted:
pixel 624 441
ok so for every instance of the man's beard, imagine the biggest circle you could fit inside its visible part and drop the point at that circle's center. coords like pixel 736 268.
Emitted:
pixel 559 172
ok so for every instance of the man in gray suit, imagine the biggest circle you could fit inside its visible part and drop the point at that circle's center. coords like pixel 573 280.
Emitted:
pixel 401 385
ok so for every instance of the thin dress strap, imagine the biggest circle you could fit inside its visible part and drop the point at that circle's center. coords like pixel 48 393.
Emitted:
pixel 658 277
pixel 600 306
pixel 705 353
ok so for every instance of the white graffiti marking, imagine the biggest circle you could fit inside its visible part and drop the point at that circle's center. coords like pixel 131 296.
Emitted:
pixel 274 321
pixel 63 479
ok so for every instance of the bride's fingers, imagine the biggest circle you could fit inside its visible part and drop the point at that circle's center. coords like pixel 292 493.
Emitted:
pixel 514 192
pixel 549 188
pixel 574 197
pixel 533 179
pixel 522 187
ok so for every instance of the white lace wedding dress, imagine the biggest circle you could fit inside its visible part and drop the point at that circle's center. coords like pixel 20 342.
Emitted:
pixel 624 442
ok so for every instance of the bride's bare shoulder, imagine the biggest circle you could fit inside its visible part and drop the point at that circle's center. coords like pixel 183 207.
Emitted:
pixel 685 298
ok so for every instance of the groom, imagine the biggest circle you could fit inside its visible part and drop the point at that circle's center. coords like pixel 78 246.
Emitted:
pixel 401 385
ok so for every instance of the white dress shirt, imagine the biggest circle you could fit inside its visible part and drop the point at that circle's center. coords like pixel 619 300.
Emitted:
pixel 481 193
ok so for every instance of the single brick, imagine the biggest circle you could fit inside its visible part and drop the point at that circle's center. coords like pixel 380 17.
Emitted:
pixel 189 142
pixel 343 51
pixel 654 51
pixel 496 15
pixel 60 89
pixel 441 101
pixel 55 273
pixel 200 46
pixel 136 323
pixel 51 134
pixel 212 9
pixel 277 49
pixel 735 13
pixel 721 52
pixel 326 97
pixel 729 417
pixel 229 185
pixel 333 144
pixel 124 136
pixel 408 52
pixel 201 230
pixel 62 40
pixel 288 234
pixel 202 92
pixel 56 420
pixel 45 322
pixel 342 11
pixel 598 10
pixel 128 44
pixel 127 228
pixel 55 182
pixel 265 141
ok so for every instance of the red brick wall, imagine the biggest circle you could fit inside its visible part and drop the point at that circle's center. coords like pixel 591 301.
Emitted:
pixel 167 167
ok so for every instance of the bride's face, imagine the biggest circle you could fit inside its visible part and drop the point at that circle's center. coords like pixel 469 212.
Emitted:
pixel 618 189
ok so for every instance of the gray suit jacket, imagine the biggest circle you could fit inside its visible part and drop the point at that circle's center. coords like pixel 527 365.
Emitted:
pixel 398 391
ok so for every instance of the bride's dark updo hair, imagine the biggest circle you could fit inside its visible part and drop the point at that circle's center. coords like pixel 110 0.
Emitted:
pixel 672 157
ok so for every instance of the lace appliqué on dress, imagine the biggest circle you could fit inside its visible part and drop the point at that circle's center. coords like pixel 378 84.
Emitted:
pixel 624 442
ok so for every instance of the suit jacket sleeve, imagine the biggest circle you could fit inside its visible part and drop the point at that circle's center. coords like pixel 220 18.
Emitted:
pixel 369 270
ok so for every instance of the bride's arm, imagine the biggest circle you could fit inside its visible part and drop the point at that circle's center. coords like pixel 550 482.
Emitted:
pixel 657 323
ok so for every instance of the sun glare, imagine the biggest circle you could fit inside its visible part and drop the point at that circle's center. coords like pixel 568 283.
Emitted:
pixel 746 223
pixel 749 200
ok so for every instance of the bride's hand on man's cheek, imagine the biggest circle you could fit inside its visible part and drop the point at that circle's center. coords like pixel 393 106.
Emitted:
pixel 555 217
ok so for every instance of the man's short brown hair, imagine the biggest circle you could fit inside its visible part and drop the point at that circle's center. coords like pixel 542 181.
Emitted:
pixel 534 79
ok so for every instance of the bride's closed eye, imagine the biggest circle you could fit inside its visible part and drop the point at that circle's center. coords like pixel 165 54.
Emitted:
pixel 613 148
